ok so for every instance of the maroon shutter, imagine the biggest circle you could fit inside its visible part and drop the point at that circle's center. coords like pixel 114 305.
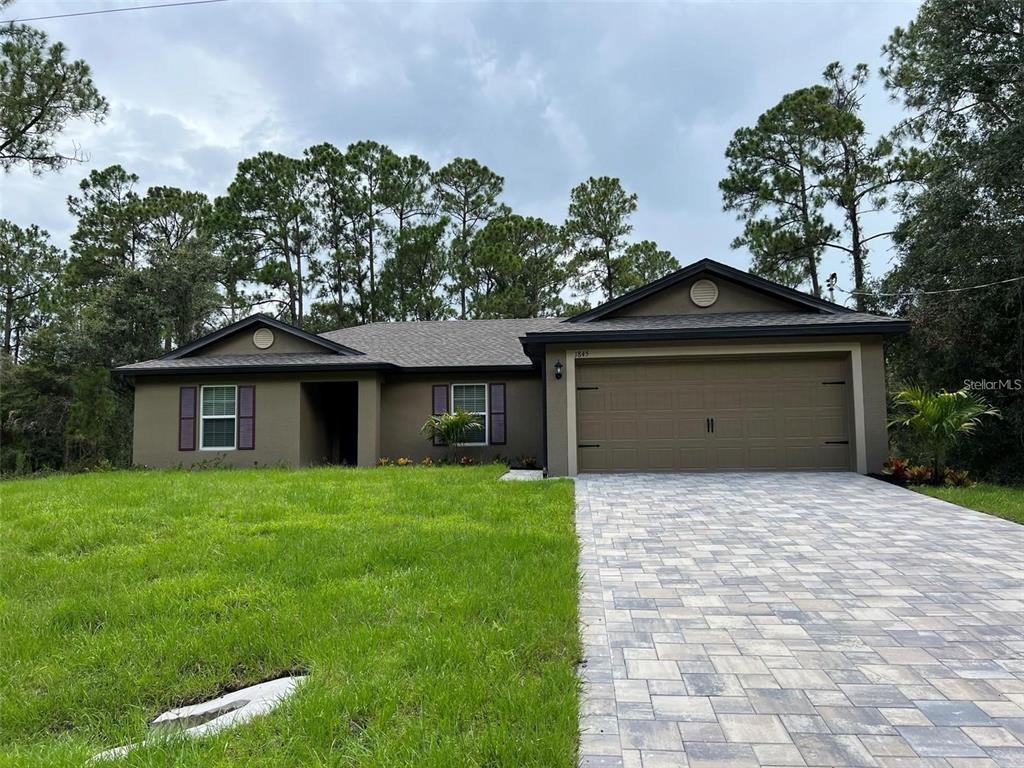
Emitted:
pixel 440 404
pixel 246 417
pixel 187 419
pixel 497 413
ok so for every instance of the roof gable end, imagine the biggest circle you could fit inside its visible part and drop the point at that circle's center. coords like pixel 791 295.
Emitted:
pixel 797 299
pixel 325 345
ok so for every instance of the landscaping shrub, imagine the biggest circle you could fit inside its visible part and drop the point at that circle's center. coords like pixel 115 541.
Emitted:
pixel 919 474
pixel 957 478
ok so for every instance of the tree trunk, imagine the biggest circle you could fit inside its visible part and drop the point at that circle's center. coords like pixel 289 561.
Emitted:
pixel 8 322
pixel 292 308
pixel 463 263
pixel 371 304
pixel 857 256
pixel 805 213
pixel 812 270
pixel 607 273
pixel 299 288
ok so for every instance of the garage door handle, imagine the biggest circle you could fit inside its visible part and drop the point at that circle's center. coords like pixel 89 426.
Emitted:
pixel 833 382
pixel 837 442
pixel 711 425
pixel 581 388
pixel 589 445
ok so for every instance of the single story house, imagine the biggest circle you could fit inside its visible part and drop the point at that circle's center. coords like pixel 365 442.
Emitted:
pixel 708 368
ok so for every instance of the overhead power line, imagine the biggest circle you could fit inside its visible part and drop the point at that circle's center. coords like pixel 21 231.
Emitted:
pixel 932 293
pixel 116 10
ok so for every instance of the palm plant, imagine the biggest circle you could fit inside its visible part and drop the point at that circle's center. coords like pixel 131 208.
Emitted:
pixel 452 429
pixel 940 418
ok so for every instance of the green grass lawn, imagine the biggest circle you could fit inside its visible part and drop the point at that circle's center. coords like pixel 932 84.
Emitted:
pixel 434 609
pixel 1004 501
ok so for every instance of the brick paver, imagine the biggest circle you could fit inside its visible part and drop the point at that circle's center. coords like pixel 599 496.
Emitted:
pixel 812 619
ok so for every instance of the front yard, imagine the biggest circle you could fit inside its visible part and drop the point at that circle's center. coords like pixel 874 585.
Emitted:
pixel 434 610
pixel 1000 500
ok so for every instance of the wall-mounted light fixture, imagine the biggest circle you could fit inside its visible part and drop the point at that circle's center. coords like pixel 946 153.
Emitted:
pixel 558 369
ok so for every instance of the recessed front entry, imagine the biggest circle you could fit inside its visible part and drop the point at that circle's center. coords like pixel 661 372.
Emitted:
pixel 713 414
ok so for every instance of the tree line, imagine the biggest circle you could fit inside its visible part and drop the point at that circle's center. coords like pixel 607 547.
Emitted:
pixel 326 240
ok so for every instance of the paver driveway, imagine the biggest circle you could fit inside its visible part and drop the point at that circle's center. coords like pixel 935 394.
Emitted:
pixel 796 619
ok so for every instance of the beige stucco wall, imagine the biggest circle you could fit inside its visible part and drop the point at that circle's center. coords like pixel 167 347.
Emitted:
pixel 155 432
pixel 873 434
pixel 555 415
pixel 286 428
pixel 406 404
pixel 240 343
pixel 875 403
pixel 675 300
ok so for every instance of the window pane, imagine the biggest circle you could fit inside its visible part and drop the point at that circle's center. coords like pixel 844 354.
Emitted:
pixel 478 432
pixel 218 433
pixel 218 401
pixel 471 398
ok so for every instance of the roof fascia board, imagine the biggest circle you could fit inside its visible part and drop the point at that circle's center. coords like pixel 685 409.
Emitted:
pixel 128 370
pixel 889 327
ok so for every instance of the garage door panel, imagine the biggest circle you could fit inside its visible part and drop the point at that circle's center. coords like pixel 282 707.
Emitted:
pixel 693 458
pixel 797 394
pixel 622 400
pixel 726 397
pixel 829 396
pixel 763 396
pixel 692 397
pixel 627 458
pixel 594 459
pixel 660 399
pixel 661 458
pixel 692 428
pixel 768 414
pixel 660 428
pixel 622 373
pixel 834 457
pixel 800 426
pixel 726 457
pixel 832 426
pixel 623 429
pixel 729 426
pixel 760 425
pixel 591 431
pixel 801 457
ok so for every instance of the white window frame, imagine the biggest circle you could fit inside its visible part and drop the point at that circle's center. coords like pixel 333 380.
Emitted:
pixel 203 418
pixel 485 413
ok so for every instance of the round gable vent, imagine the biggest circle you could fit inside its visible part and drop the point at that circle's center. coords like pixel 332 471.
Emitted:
pixel 263 338
pixel 704 293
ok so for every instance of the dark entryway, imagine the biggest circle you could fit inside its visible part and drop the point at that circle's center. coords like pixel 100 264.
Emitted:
pixel 329 422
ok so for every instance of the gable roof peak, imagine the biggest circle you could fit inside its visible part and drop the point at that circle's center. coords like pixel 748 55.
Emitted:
pixel 718 269
pixel 255 319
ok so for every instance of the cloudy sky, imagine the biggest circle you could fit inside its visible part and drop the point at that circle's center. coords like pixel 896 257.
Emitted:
pixel 546 94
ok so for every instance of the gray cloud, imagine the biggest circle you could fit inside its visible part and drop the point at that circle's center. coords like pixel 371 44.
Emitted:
pixel 544 94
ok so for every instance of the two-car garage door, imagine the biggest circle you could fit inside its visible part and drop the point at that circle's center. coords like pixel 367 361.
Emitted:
pixel 709 414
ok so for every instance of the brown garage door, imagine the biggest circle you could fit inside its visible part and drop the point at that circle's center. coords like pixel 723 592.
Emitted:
pixel 743 413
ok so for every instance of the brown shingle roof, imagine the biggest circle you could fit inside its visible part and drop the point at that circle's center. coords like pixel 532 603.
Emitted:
pixel 444 343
